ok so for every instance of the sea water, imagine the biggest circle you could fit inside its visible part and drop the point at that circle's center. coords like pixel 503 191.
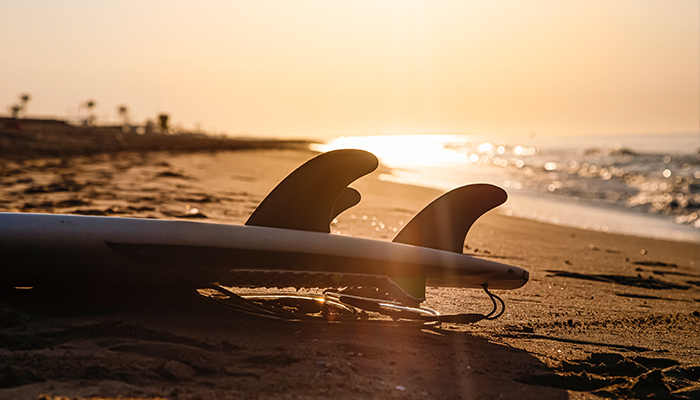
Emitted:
pixel 637 184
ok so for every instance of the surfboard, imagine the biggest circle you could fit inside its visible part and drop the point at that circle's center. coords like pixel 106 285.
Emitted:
pixel 286 241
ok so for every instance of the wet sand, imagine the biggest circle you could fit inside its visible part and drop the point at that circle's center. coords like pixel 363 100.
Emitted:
pixel 604 316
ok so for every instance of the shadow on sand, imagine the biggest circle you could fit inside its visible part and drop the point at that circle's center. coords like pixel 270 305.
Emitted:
pixel 179 344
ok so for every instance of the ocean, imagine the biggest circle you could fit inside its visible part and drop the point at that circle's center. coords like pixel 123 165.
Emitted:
pixel 636 184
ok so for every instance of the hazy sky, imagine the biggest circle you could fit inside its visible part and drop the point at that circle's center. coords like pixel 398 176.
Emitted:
pixel 307 68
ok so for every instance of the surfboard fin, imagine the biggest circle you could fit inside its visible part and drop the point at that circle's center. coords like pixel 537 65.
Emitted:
pixel 444 223
pixel 310 197
pixel 348 198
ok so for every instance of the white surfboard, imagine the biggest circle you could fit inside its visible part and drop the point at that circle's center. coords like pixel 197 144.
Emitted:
pixel 286 241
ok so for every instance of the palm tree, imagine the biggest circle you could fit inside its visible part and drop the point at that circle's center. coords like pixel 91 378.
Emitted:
pixel 124 114
pixel 15 109
pixel 24 98
pixel 89 105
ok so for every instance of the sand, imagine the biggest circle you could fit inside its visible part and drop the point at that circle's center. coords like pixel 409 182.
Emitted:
pixel 604 316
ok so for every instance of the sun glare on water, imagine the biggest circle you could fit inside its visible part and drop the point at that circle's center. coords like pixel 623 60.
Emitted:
pixel 406 150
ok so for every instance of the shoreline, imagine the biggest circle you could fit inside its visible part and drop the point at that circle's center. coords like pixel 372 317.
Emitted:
pixel 603 316
pixel 616 221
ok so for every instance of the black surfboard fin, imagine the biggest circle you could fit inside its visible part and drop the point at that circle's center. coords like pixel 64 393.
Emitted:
pixel 444 223
pixel 310 197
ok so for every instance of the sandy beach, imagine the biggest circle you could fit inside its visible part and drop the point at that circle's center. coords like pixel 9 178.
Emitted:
pixel 603 316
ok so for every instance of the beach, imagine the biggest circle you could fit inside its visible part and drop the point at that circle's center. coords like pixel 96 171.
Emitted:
pixel 603 316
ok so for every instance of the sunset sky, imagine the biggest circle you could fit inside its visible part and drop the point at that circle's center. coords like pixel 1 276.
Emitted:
pixel 327 68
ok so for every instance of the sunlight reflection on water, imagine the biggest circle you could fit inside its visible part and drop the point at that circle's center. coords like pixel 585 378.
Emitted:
pixel 406 150
pixel 649 186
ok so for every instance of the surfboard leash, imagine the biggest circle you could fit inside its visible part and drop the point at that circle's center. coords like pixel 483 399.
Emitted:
pixel 338 307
